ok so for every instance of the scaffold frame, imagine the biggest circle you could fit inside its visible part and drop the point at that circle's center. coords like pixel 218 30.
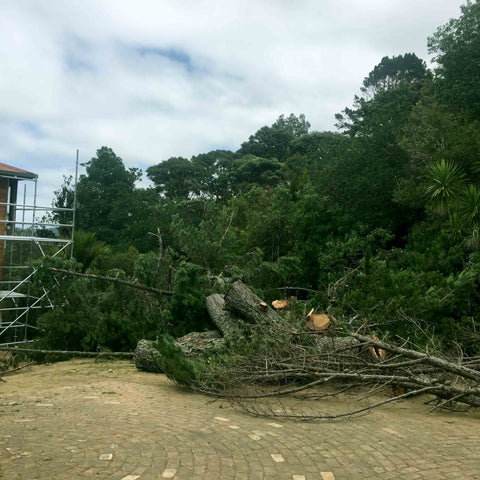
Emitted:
pixel 17 271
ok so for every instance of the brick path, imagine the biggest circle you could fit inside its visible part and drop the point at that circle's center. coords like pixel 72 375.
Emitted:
pixel 81 419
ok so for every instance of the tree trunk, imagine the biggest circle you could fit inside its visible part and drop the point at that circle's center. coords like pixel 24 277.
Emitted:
pixel 145 357
pixel 227 322
pixel 243 302
pixel 193 344
pixel 336 346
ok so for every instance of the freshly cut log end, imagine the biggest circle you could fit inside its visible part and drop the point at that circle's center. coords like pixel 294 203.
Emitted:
pixel 279 304
pixel 377 353
pixel 318 322
pixel 283 303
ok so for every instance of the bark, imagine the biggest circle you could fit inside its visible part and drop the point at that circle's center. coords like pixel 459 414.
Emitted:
pixel 336 345
pixel 241 301
pixel 227 322
pixel 146 357
pixel 193 344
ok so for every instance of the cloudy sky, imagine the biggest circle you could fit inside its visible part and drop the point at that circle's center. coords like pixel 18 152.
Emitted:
pixel 159 78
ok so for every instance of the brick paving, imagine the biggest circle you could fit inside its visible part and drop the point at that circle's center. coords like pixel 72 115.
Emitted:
pixel 81 419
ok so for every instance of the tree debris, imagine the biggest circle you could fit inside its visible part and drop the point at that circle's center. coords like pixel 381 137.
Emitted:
pixel 322 354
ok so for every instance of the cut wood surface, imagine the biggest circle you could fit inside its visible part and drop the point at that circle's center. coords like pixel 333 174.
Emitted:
pixel 377 353
pixel 318 321
pixel 282 303
pixel 279 304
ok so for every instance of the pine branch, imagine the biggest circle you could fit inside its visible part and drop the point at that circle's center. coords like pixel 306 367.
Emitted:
pixel 113 280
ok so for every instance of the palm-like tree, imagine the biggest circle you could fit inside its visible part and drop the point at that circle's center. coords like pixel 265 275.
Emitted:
pixel 469 210
pixel 87 249
pixel 446 183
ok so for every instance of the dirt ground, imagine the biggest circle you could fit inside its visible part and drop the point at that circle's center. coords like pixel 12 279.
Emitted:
pixel 81 419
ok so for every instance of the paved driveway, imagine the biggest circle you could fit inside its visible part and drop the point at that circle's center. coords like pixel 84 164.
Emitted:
pixel 81 419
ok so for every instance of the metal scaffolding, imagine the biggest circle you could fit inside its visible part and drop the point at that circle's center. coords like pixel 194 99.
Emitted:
pixel 28 232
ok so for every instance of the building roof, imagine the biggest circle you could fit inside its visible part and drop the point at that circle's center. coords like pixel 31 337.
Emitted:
pixel 9 171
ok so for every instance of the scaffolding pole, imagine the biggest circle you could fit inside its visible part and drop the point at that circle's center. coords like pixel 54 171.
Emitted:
pixel 20 241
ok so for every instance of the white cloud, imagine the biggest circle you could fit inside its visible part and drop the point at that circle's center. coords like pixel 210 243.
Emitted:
pixel 154 79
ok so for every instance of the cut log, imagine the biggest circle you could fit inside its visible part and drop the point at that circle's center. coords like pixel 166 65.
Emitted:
pixel 145 357
pixel 227 322
pixel 244 303
pixel 193 344
pixel 318 322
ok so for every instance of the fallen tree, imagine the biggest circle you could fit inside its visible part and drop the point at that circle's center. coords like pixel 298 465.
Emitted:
pixel 282 358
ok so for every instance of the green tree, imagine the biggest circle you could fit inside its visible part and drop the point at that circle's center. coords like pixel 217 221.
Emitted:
pixel 391 72
pixel 275 141
pixel 109 205
pixel 176 177
pixel 88 251
pixel 214 173
pixel 251 170
pixel 321 148
pixel 445 185
pixel 457 55
pixel 64 198
pixel 365 180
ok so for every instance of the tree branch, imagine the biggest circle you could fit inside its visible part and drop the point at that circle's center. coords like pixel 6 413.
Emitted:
pixel 114 280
